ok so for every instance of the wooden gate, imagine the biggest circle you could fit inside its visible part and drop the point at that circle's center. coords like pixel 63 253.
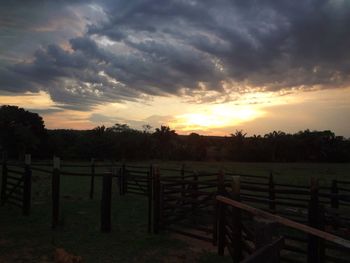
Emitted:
pixel 187 206
pixel 138 180
pixel 16 186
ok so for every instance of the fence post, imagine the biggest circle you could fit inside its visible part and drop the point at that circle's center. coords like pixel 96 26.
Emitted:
pixel 27 186
pixel 272 204
pixel 55 191
pixel 161 205
pixel 236 187
pixel 221 227
pixel 221 183
pixel 124 180
pixel 182 174
pixel 92 182
pixel 149 196
pixel 220 191
pixel 334 192
pixel 120 181
pixel 236 221
pixel 156 200
pixel 194 195
pixel 321 226
pixel 315 247
pixel 106 202
pixel 115 175
pixel 4 178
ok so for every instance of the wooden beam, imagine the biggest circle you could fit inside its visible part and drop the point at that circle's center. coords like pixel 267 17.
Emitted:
pixel 92 179
pixel 27 186
pixel 286 222
pixel 55 192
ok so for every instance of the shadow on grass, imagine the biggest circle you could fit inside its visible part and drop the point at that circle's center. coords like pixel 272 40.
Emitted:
pixel 30 239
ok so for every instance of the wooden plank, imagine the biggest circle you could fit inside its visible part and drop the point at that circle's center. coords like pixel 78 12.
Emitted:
pixel 14 178
pixel 15 187
pixel 55 192
pixel 55 197
pixel 189 234
pixel 40 170
pixel 272 197
pixel 315 247
pixel 247 175
pixel 18 191
pixel 236 221
pixel 136 189
pixel 286 222
pixel 92 179
pixel 137 193
pixel 150 197
pixel 9 171
pixel 27 187
pixel 106 203
pixel 156 200
pixel 221 228
pixel 14 203
pixel 15 198
pixel 267 254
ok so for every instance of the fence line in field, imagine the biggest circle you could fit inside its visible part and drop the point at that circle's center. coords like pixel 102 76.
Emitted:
pixel 184 201
pixel 182 205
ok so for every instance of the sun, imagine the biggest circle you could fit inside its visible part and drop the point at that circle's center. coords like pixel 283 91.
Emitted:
pixel 216 116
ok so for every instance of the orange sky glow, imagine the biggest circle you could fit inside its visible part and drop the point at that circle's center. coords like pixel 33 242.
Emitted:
pixel 256 113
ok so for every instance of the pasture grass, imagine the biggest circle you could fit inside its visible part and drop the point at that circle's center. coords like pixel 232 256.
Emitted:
pixel 31 239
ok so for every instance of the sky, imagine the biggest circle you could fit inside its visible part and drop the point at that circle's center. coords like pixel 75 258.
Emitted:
pixel 211 67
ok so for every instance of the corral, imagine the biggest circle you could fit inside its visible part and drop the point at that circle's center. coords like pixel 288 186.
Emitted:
pixel 178 199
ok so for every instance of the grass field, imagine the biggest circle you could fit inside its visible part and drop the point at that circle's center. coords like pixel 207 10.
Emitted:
pixel 30 239
pixel 295 173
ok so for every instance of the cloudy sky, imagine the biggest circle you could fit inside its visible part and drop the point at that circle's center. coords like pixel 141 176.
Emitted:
pixel 197 65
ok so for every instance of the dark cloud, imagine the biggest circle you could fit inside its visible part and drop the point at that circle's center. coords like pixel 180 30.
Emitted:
pixel 135 48
pixel 26 25
pixel 45 111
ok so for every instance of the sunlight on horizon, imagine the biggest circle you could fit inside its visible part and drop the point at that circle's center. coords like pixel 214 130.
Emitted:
pixel 216 116
pixel 253 112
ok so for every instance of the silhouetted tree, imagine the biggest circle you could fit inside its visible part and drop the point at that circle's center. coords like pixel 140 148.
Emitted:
pixel 122 142
pixel 21 131
pixel 195 148
pixel 165 142
pixel 237 142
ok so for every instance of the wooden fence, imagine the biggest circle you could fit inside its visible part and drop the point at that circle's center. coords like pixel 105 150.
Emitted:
pixel 186 205
pixel 183 201
pixel 16 185
pixel 17 181
pixel 234 235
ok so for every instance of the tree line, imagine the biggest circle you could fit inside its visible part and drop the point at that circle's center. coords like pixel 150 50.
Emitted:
pixel 22 131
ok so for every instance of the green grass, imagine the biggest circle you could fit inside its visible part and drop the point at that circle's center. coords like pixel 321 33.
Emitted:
pixel 30 239
pixel 80 232
pixel 297 173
